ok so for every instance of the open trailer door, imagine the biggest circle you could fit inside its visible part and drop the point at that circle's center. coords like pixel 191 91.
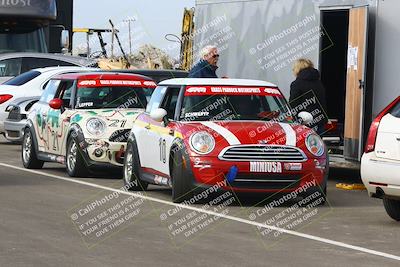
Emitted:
pixel 355 85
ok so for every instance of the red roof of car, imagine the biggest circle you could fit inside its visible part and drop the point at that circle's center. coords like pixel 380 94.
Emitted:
pixel 102 76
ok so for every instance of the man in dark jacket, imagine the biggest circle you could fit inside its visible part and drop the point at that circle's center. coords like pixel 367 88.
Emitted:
pixel 307 93
pixel 207 66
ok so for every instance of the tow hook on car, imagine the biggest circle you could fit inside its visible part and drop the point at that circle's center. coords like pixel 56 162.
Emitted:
pixel 119 156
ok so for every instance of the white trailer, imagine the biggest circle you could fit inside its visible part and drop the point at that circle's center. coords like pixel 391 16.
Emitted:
pixel 354 43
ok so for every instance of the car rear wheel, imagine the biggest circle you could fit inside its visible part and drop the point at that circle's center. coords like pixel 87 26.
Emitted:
pixel 182 188
pixel 132 170
pixel 75 162
pixel 29 155
pixel 392 207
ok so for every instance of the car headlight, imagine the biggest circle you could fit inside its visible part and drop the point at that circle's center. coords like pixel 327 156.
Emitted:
pixel 202 142
pixel 315 145
pixel 96 126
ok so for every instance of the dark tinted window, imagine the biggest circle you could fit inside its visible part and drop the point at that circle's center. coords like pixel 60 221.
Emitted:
pixel 34 63
pixel 65 93
pixel 396 110
pixel 10 67
pixel 111 97
pixel 23 78
pixel 233 107
pixel 170 100
pixel 22 37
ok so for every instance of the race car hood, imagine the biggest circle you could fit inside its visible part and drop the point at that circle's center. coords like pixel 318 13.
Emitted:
pixel 248 132
pixel 115 119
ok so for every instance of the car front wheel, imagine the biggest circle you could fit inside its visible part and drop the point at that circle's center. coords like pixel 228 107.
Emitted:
pixel 29 156
pixel 182 188
pixel 392 207
pixel 75 162
pixel 131 170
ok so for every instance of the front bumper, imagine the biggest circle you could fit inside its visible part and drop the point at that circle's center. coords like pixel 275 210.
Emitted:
pixel 14 130
pixel 209 172
pixel 102 151
pixel 378 173
pixel 3 117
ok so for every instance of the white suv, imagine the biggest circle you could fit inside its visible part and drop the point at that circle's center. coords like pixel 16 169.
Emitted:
pixel 380 164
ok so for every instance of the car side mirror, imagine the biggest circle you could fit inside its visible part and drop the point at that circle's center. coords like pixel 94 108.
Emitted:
pixel 56 103
pixel 64 40
pixel 158 114
pixel 305 117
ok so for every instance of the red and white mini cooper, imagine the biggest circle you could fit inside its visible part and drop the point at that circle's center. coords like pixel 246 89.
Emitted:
pixel 239 134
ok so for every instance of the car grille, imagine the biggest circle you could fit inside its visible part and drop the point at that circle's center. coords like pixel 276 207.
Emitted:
pixel 263 153
pixel 14 114
pixel 120 136
pixel 261 181
pixel 13 134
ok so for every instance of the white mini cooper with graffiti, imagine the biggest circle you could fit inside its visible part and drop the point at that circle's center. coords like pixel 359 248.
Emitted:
pixel 83 120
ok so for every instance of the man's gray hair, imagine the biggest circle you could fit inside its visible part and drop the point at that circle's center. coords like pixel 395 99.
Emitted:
pixel 206 50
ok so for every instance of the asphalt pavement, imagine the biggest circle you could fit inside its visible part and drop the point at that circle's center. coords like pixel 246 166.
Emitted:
pixel 49 219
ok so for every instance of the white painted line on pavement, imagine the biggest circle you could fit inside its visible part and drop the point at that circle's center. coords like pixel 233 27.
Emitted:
pixel 228 217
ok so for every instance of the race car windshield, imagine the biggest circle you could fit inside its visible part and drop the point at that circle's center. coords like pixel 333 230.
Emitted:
pixel 234 107
pixel 112 97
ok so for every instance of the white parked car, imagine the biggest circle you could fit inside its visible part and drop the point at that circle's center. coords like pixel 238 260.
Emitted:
pixel 380 164
pixel 14 64
pixel 18 111
pixel 29 84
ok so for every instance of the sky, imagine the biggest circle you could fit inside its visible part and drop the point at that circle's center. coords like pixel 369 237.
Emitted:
pixel 154 19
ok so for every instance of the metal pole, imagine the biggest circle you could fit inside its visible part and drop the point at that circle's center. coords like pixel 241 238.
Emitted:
pixel 88 45
pixel 130 33
pixel 112 40
pixel 130 39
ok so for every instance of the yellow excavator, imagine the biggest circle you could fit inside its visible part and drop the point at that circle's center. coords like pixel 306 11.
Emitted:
pixel 187 39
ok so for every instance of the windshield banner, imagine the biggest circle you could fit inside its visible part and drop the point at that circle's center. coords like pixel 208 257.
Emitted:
pixel 122 83
pixel 231 90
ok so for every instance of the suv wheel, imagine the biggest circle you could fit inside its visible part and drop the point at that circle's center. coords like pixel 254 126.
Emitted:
pixel 392 207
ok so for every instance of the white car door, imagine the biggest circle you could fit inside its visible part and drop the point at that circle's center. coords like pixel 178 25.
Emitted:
pixel 388 138
pixel 144 130
pixel 155 139
pixel 41 111
pixel 58 120
pixel 164 135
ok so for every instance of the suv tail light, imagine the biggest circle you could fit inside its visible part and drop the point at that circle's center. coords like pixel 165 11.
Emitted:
pixel 373 130
pixel 5 98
